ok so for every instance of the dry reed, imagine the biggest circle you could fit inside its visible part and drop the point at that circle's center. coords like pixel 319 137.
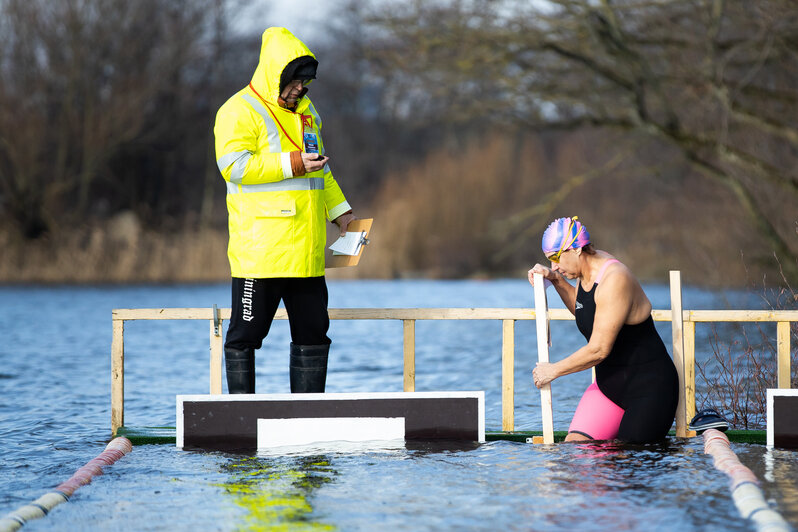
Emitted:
pixel 740 370
pixel 101 255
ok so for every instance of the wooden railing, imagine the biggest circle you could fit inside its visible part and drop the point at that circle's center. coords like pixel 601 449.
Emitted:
pixel 683 327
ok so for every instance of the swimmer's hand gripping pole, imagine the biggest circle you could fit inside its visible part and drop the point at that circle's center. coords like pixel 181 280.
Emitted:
pixel 542 329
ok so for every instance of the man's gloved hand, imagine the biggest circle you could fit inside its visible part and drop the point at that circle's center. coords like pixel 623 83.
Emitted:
pixel 344 220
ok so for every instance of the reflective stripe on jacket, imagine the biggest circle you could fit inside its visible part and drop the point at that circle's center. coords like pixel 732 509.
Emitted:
pixel 277 222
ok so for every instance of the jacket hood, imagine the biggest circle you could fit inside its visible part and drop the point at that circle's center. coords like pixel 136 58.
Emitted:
pixel 278 48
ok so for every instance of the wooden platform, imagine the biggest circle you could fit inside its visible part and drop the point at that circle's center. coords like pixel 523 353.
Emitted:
pixel 683 322
pixel 260 421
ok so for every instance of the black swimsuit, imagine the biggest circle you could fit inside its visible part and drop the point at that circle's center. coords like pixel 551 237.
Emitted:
pixel 638 375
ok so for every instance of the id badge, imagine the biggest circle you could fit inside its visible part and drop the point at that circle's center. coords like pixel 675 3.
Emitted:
pixel 311 142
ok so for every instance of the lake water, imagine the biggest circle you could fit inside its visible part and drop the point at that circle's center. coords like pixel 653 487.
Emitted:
pixel 55 416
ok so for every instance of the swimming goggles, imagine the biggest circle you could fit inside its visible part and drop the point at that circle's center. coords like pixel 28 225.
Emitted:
pixel 565 247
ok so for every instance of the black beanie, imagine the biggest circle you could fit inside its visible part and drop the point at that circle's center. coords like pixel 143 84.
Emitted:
pixel 303 68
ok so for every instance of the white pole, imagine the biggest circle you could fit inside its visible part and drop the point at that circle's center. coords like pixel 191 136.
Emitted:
pixel 542 328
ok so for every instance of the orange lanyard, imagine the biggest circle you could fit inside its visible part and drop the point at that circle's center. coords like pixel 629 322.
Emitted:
pixel 267 105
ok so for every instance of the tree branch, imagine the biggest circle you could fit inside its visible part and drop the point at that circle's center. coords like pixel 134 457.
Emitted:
pixel 542 211
pixel 748 203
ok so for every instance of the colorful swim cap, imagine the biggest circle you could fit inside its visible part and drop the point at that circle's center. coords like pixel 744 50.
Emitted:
pixel 564 233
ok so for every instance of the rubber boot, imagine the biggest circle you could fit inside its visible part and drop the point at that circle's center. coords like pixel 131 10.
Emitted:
pixel 240 367
pixel 308 368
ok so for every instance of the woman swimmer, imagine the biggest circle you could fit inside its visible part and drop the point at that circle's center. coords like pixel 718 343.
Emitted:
pixel 636 391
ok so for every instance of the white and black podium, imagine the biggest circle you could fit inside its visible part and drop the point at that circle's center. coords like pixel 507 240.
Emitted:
pixel 782 418
pixel 261 421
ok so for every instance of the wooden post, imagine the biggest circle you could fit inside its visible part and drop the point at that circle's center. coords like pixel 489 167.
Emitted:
pixel 677 326
pixel 409 355
pixel 542 329
pixel 217 346
pixel 783 353
pixel 508 375
pixel 689 372
pixel 117 376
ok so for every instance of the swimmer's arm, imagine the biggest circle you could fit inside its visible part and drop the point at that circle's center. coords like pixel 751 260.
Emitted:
pixel 567 292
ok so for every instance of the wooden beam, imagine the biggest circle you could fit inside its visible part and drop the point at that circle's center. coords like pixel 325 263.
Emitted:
pixel 409 340
pixel 783 354
pixel 689 372
pixel 117 376
pixel 217 347
pixel 353 314
pixel 129 314
pixel 741 315
pixel 517 314
pixel 508 375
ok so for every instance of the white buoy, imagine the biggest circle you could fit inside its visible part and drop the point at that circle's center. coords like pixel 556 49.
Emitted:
pixel 745 490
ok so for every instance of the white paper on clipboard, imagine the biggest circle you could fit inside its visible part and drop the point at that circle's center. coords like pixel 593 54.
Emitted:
pixel 349 244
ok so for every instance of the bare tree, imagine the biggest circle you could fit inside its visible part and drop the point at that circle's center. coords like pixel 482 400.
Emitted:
pixel 714 79
pixel 83 84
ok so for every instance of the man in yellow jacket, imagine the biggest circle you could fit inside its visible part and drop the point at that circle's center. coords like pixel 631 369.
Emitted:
pixel 280 192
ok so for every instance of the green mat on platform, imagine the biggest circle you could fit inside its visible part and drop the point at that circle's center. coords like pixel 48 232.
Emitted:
pixel 147 435
pixel 144 435
pixel 737 436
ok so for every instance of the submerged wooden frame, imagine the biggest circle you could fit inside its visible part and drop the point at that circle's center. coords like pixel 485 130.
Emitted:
pixel 683 346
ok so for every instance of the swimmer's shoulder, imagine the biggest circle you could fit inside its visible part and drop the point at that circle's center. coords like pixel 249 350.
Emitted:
pixel 614 266
pixel 617 274
pixel 618 279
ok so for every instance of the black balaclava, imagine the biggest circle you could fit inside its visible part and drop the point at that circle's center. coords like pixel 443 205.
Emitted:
pixel 300 68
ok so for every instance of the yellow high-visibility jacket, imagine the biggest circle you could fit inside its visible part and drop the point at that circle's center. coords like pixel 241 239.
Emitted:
pixel 277 221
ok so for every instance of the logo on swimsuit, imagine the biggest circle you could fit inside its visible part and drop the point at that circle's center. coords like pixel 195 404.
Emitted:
pixel 579 306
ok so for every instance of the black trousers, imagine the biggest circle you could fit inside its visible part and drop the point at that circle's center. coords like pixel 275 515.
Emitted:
pixel 256 300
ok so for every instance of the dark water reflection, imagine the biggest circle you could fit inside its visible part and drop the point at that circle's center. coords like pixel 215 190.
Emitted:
pixel 55 416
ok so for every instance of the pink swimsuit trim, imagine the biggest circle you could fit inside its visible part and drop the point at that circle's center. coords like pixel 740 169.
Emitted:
pixel 603 269
pixel 596 417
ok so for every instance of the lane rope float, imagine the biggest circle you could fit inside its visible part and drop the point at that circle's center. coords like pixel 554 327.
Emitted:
pixel 744 486
pixel 116 449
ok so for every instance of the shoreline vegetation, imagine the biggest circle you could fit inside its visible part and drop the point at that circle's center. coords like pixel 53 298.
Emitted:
pixel 120 251
pixel 440 218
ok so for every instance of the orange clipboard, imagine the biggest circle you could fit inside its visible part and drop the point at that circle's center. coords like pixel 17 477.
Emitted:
pixel 338 261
